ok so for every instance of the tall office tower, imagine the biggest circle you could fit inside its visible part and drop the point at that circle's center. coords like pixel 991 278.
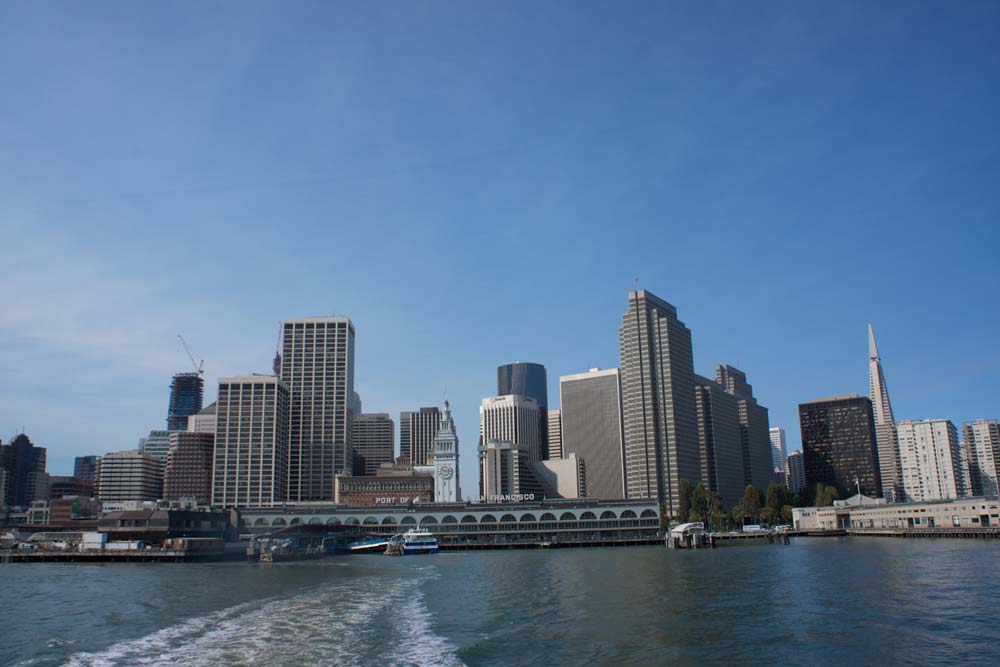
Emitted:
pixel 417 437
pixel 931 459
pixel 795 472
pixel 512 419
pixel 404 434
pixel 317 367
pixel 204 421
pixel 982 437
pixel 186 394
pixel 85 467
pixel 373 438
pixel 779 452
pixel 188 472
pixel 554 447
pixel 129 476
pixel 754 427
pixel 838 443
pixel 720 438
pixel 591 411
pixel 250 468
pixel 528 379
pixel 885 425
pixel 447 488
pixel 156 444
pixel 24 464
pixel 658 401
pixel 505 470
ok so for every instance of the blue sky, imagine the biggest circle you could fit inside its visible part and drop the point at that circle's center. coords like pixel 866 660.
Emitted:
pixel 478 183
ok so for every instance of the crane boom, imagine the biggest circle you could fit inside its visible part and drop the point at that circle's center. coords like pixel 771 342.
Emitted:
pixel 198 366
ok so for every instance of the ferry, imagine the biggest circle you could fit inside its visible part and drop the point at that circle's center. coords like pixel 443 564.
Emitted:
pixel 418 542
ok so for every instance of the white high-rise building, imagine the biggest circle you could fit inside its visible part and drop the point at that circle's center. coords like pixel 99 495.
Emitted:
pixel 447 488
pixel 512 419
pixel 982 437
pixel 779 451
pixel 555 448
pixel 317 367
pixel 886 437
pixel 204 421
pixel 250 464
pixel 129 476
pixel 931 458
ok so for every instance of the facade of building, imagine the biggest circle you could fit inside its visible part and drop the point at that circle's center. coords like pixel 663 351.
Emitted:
pixel 530 380
pixel 417 431
pixel 384 490
pixel 505 471
pixel 60 486
pixel 514 419
pixel 931 460
pixel 779 452
pixel 982 437
pixel 156 444
pixel 187 391
pixel 374 437
pixel 250 466
pixel 886 439
pixel 129 476
pixel 188 471
pixel 562 478
pixel 204 421
pixel 720 437
pixel 838 443
pixel 795 472
pixel 317 367
pixel 755 436
pixel 591 415
pixel 554 449
pixel 24 465
pixel 874 515
pixel 447 486
pixel 658 401
pixel 85 467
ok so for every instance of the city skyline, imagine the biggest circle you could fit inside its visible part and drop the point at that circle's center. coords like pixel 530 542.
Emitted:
pixel 572 171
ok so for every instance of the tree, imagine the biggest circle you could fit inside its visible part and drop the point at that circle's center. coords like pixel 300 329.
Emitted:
pixel 786 514
pixel 699 503
pixel 751 502
pixel 684 491
pixel 825 495
pixel 777 498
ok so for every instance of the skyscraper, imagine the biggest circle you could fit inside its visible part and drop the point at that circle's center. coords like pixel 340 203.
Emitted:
pixel 512 419
pixel 838 443
pixel 156 444
pixel 187 474
pixel 404 435
pixel 591 411
pixel 85 467
pixel 885 425
pixel 720 438
pixel 554 449
pixel 129 476
pixel 447 487
pixel 795 472
pixel 505 470
pixel 528 379
pixel 374 439
pixel 658 399
pixel 250 466
pixel 779 452
pixel 982 437
pixel 317 367
pixel 931 460
pixel 24 464
pixel 204 421
pixel 186 394
pixel 417 430
pixel 754 427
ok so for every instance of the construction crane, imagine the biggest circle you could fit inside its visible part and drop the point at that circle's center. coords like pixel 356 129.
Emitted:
pixel 198 365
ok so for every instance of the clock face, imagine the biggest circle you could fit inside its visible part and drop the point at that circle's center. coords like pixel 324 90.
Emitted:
pixel 446 472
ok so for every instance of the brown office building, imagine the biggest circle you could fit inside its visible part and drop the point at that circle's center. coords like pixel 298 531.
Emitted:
pixel 188 474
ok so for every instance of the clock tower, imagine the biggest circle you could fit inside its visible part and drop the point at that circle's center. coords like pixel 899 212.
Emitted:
pixel 446 487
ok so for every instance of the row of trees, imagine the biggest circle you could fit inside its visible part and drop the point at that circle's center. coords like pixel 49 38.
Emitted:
pixel 773 507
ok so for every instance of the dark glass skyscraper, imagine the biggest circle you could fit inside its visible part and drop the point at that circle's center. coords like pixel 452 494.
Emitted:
pixel 527 379
pixel 187 392
pixel 23 466
pixel 838 443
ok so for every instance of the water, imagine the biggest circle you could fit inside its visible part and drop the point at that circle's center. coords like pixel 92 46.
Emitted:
pixel 816 602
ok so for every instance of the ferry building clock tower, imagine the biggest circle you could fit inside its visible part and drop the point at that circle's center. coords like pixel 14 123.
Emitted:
pixel 446 486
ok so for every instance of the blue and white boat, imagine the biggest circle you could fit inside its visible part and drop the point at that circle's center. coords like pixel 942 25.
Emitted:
pixel 419 542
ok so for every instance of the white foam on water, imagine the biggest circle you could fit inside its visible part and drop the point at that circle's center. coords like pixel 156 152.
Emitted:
pixel 330 625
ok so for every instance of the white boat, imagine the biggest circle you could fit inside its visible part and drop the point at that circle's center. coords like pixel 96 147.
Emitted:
pixel 419 542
